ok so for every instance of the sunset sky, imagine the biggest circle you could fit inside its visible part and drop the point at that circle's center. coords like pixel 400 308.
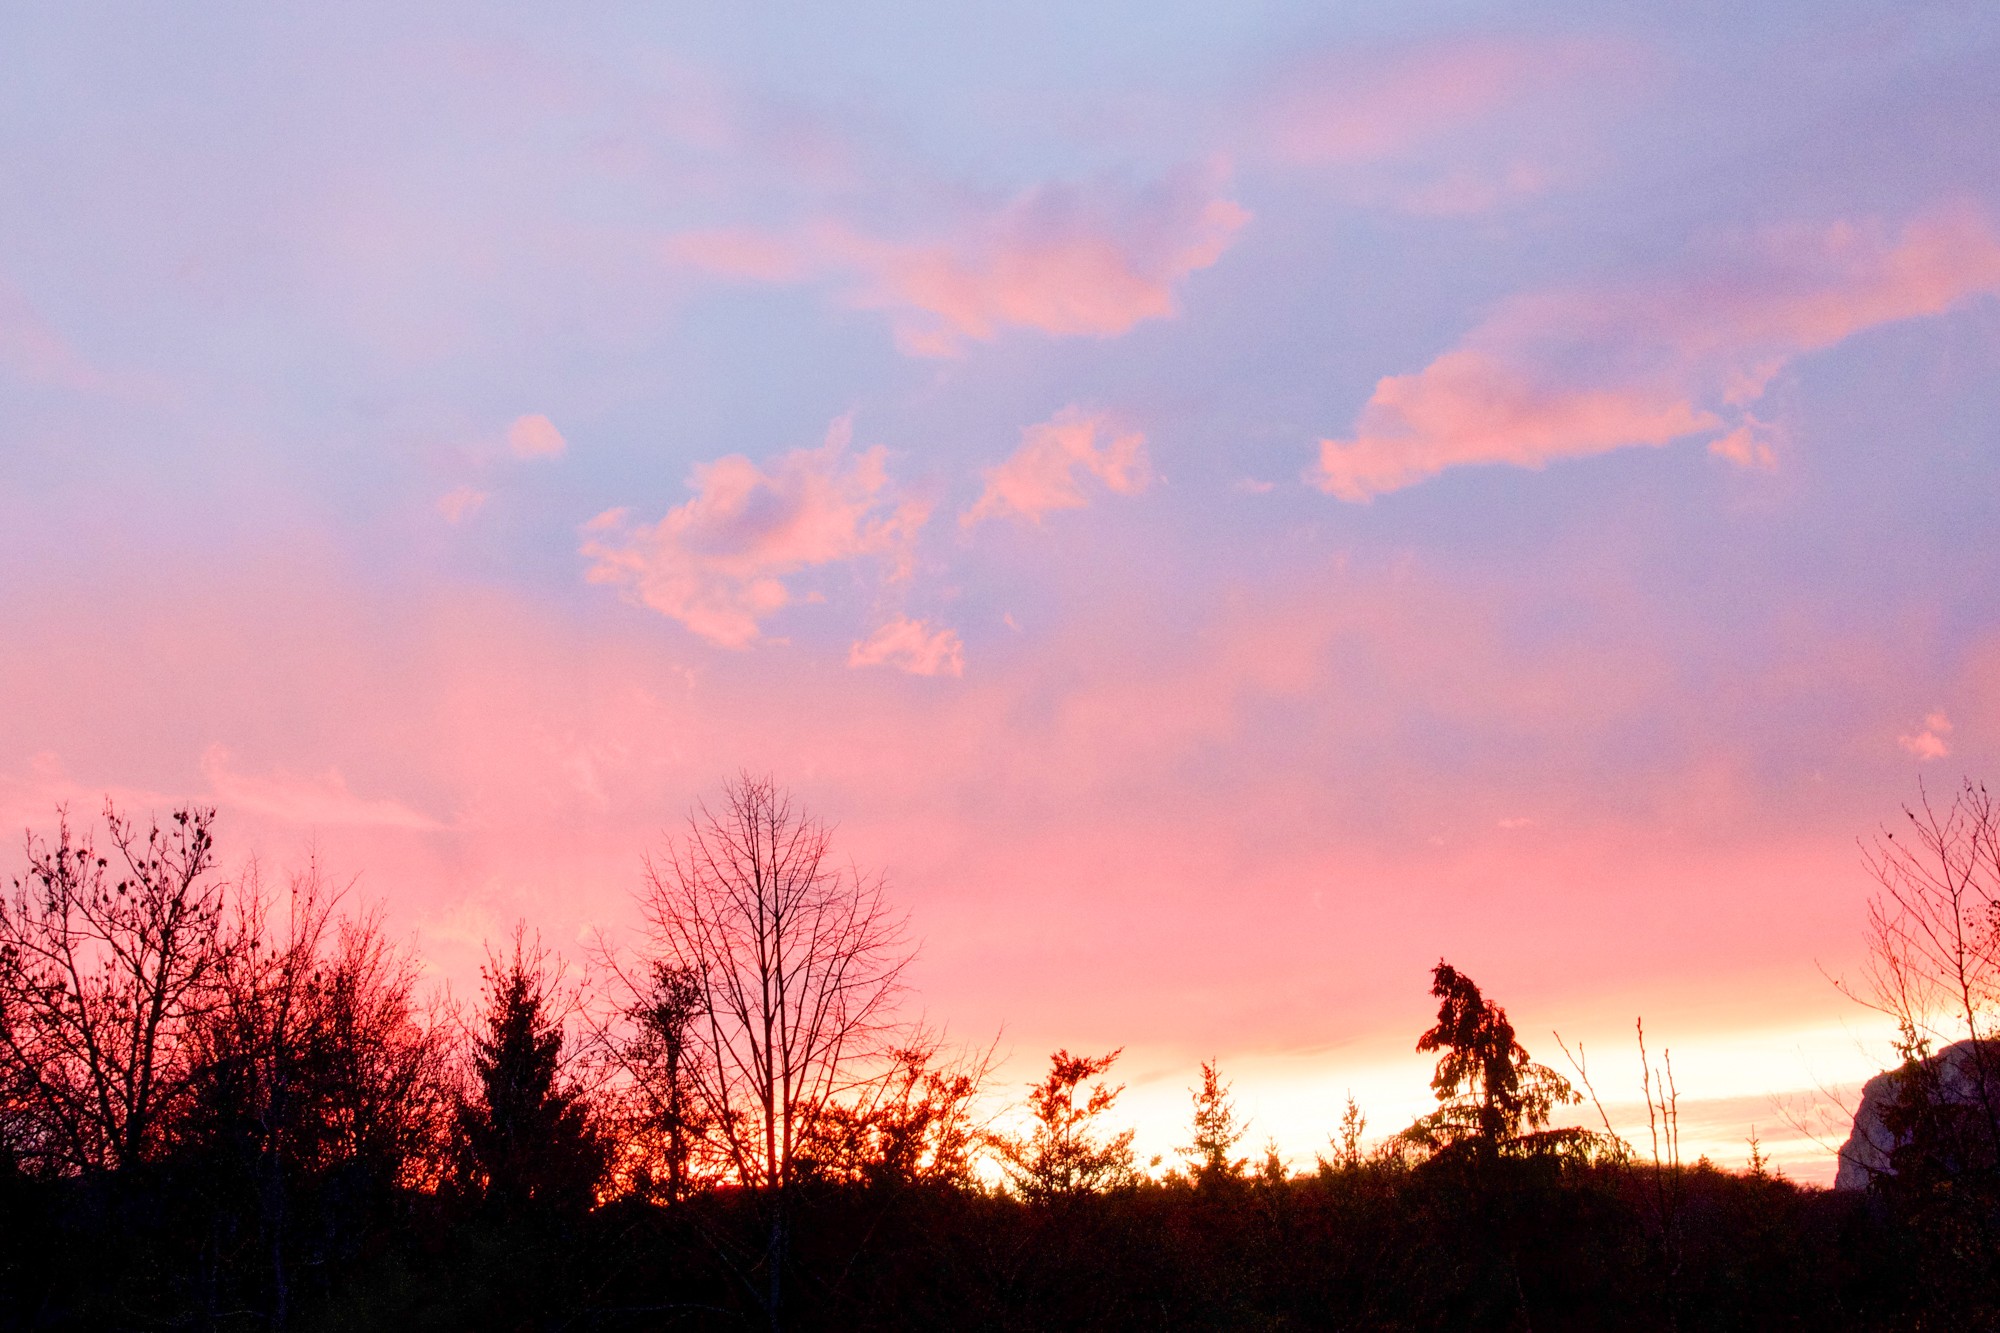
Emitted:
pixel 1220 504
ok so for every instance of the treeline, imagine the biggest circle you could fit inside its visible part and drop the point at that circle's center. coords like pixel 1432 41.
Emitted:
pixel 225 1104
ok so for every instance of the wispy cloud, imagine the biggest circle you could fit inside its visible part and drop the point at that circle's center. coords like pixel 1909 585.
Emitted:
pixel 1444 127
pixel 718 563
pixel 1569 374
pixel 1060 259
pixel 1043 474
pixel 323 800
pixel 1354 107
pixel 912 646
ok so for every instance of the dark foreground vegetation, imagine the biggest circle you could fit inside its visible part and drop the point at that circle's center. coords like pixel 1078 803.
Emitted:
pixel 227 1108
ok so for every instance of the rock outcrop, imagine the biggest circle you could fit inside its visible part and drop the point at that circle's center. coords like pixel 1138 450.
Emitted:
pixel 1865 1155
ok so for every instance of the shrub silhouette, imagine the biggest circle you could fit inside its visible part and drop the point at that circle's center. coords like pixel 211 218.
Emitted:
pixel 1062 1156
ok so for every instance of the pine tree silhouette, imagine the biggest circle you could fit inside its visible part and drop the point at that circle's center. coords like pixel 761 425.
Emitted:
pixel 1217 1131
pixel 1490 1093
pixel 526 1140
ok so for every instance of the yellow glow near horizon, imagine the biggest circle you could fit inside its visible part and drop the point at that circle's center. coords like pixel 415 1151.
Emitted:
pixel 1794 1087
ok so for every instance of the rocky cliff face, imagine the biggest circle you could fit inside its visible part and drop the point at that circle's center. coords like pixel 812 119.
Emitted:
pixel 1866 1152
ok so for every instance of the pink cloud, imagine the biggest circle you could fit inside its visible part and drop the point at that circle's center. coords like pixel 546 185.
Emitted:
pixel 535 436
pixel 461 503
pixel 1803 288
pixel 1349 110
pixel 311 801
pixel 1568 374
pixel 1041 475
pixel 912 646
pixel 1930 742
pixel 1470 407
pixel 718 563
pixel 1065 260
pixel 1748 446
pixel 1447 128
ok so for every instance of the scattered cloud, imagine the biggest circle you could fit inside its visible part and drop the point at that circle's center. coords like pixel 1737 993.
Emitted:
pixel 462 503
pixel 1748 446
pixel 1042 474
pixel 1445 127
pixel 535 436
pixel 324 800
pixel 1253 486
pixel 1348 109
pixel 718 563
pixel 912 646
pixel 1569 374
pixel 1061 259
pixel 1470 406
pixel 1930 742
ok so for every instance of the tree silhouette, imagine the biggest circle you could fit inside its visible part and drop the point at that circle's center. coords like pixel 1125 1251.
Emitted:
pixel 102 974
pixel 917 1125
pixel 526 1140
pixel 311 1152
pixel 1062 1156
pixel 796 962
pixel 1346 1142
pixel 1217 1130
pixel 657 1053
pixel 315 1089
pixel 1490 1094
pixel 1934 967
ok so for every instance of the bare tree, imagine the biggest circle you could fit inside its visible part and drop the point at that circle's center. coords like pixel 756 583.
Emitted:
pixel 309 1061
pixel 102 974
pixel 1933 1143
pixel 1663 1125
pixel 796 963
pixel 382 1061
pixel 1934 939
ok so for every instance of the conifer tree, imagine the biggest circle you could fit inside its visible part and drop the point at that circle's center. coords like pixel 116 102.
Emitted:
pixel 526 1142
pixel 1217 1130
pixel 1490 1093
